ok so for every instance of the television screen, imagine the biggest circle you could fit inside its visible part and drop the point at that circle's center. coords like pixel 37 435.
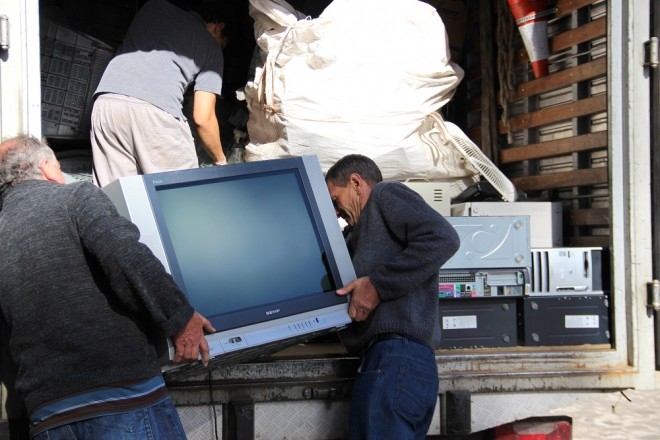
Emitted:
pixel 256 247
pixel 250 240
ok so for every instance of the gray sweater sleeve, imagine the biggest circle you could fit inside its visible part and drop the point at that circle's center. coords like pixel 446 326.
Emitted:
pixel 137 278
pixel 400 242
pixel 428 240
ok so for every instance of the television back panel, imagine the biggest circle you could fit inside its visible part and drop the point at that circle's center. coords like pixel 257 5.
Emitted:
pixel 565 320
pixel 567 271
pixel 435 194
pixel 482 283
pixel 491 243
pixel 474 323
pixel 545 218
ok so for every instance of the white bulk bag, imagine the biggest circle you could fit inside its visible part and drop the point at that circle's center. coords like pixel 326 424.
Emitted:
pixel 366 76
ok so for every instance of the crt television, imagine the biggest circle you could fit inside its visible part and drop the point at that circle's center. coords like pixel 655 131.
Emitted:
pixel 255 246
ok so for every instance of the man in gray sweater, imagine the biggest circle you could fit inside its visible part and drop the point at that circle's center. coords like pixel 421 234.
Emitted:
pixel 83 301
pixel 397 243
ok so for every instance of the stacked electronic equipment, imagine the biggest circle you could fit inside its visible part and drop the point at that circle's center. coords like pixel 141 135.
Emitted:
pixel 480 285
pixel 512 282
pixel 567 303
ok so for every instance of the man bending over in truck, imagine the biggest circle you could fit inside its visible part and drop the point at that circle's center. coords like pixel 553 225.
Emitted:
pixel 138 125
pixel 83 300
pixel 397 243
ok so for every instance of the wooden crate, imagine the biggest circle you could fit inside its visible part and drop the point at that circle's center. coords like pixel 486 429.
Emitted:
pixel 548 135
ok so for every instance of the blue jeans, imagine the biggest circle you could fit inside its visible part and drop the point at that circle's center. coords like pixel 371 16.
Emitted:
pixel 395 392
pixel 157 422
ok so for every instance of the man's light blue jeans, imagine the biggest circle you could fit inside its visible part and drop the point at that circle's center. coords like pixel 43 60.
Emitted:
pixel 395 393
pixel 157 422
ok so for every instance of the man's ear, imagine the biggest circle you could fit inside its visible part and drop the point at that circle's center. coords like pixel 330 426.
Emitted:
pixel 51 171
pixel 215 29
pixel 355 181
pixel 361 187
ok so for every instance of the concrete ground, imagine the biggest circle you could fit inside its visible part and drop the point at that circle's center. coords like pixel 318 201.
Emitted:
pixel 627 415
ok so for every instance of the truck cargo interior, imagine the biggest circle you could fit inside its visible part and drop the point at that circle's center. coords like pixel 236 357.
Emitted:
pixel 553 296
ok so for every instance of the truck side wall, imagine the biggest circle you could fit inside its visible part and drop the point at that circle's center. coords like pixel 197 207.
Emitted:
pixel 20 79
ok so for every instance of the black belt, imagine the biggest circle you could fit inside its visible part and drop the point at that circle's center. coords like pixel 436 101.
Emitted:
pixel 380 337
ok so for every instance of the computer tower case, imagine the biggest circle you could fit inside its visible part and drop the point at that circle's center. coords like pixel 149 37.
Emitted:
pixel 565 320
pixel 478 322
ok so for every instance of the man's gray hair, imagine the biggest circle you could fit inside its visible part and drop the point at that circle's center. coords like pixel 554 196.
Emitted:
pixel 341 171
pixel 21 158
